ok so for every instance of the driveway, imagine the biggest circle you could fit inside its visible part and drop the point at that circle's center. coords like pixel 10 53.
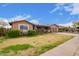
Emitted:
pixel 69 48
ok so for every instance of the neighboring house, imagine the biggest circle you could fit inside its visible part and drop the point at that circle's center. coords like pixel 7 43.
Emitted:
pixel 54 28
pixel 24 25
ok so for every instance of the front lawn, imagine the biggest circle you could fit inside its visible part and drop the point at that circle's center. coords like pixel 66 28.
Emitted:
pixel 14 48
pixel 40 43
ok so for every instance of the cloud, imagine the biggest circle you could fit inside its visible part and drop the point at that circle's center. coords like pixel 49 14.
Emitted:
pixel 72 8
pixel 5 4
pixel 60 4
pixel 16 18
pixel 35 21
pixel 24 17
pixel 57 8
pixel 4 23
pixel 66 8
pixel 67 24
pixel 75 9
pixel 60 13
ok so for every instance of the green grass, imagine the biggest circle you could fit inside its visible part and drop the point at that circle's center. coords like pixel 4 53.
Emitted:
pixel 44 48
pixel 15 48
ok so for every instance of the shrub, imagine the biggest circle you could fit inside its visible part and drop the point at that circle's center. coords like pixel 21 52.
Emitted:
pixel 40 31
pixel 13 33
pixel 45 31
pixel 64 29
pixel 31 32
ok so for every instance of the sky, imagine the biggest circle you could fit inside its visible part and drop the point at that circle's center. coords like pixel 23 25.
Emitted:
pixel 40 13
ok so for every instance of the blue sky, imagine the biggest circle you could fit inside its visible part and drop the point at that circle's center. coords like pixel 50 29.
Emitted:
pixel 40 13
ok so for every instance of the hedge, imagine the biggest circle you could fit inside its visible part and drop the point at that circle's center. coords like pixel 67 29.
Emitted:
pixel 13 33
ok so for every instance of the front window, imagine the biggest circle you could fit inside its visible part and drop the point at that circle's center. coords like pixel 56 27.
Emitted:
pixel 23 27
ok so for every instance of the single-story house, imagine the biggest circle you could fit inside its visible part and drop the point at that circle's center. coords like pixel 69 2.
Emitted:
pixel 24 25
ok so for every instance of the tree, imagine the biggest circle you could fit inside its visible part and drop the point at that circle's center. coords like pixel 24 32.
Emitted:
pixel 4 24
pixel 76 26
pixel 63 29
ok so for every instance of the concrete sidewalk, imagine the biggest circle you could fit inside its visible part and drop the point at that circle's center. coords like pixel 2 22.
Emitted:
pixel 69 48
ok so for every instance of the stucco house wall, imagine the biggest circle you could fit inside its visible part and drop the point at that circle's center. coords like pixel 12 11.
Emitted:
pixel 16 25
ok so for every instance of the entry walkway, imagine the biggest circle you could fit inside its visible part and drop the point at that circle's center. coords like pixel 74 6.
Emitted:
pixel 69 48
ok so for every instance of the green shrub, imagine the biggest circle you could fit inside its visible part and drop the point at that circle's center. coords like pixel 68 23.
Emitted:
pixel 45 31
pixel 13 33
pixel 31 33
pixel 40 31
pixel 64 29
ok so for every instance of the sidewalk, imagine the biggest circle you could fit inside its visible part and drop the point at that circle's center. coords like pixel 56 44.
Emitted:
pixel 69 48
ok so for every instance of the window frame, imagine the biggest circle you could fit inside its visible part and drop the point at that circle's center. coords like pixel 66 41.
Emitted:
pixel 24 25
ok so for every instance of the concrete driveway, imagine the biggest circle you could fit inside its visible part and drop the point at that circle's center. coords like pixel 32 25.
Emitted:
pixel 69 48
